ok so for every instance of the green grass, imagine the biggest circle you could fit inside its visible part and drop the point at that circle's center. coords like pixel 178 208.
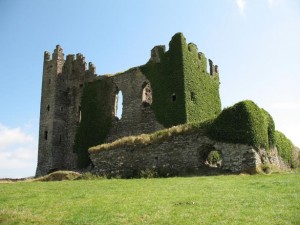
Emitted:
pixel 259 199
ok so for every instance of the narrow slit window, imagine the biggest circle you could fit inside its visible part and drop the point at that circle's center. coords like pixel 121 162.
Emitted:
pixel 60 139
pixel 79 113
pixel 46 135
pixel 173 97
pixel 48 108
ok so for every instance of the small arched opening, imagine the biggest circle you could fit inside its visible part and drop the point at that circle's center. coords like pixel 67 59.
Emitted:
pixel 210 158
pixel 214 159
pixel 173 97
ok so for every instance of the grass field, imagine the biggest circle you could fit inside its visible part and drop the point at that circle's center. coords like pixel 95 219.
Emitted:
pixel 234 199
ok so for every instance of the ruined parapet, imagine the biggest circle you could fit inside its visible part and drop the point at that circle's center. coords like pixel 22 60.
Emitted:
pixel 92 68
pixel 156 53
pixel 213 69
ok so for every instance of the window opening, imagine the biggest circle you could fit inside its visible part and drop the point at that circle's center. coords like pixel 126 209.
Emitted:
pixel 173 97
pixel 118 105
pixel 214 159
pixel 46 135
pixel 61 108
pixel 147 95
pixel 60 139
pixel 48 108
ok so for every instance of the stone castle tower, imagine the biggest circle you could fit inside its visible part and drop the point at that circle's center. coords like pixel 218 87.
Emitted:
pixel 78 108
pixel 60 110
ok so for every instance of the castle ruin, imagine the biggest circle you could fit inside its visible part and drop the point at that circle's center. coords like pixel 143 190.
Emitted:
pixel 79 111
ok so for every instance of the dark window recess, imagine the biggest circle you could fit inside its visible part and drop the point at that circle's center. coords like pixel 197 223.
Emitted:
pixel 173 97
pixel 46 135
pixel 48 108
pixel 61 108
pixel 49 81
pixel 60 139
pixel 79 113
pixel 81 85
pixel 193 96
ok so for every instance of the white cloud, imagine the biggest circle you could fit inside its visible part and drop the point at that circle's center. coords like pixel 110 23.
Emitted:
pixel 10 136
pixel 241 5
pixel 18 152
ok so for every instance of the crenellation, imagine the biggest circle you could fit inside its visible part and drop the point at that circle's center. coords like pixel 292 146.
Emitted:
pixel 92 68
pixel 211 67
pixel 192 47
pixel 58 53
pixel 47 56
pixel 70 58
pixel 216 69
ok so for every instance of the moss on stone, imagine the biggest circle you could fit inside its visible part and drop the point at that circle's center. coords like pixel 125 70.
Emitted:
pixel 244 123
pixel 183 91
pixel 96 119
pixel 284 147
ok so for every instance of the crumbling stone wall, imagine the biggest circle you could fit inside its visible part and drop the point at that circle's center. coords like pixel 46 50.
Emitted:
pixel 179 153
pixel 137 117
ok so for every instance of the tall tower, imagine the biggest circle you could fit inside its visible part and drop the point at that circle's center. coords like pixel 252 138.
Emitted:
pixel 60 112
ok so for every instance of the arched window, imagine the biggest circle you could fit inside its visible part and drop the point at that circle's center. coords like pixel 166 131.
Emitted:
pixel 147 95
pixel 118 108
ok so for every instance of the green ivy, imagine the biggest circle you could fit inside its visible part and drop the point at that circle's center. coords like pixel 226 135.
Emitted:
pixel 181 72
pixel 244 123
pixel 284 147
pixel 96 119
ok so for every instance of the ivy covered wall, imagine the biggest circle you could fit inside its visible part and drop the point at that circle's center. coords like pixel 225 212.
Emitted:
pixel 183 91
pixel 201 88
pixel 244 123
pixel 96 118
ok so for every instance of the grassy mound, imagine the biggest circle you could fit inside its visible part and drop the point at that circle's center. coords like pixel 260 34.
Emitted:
pixel 59 176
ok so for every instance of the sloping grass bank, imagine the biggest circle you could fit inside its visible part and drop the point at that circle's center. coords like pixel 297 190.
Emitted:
pixel 259 199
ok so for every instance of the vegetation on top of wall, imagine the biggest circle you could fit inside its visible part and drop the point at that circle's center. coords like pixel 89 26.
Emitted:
pixel 284 147
pixel 146 139
pixel 182 89
pixel 96 119
pixel 244 123
pixel 201 88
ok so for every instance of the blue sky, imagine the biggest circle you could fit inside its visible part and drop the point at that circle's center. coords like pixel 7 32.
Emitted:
pixel 256 44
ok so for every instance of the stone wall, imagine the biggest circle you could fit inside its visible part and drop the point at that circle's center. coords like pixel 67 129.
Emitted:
pixel 176 155
pixel 137 118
